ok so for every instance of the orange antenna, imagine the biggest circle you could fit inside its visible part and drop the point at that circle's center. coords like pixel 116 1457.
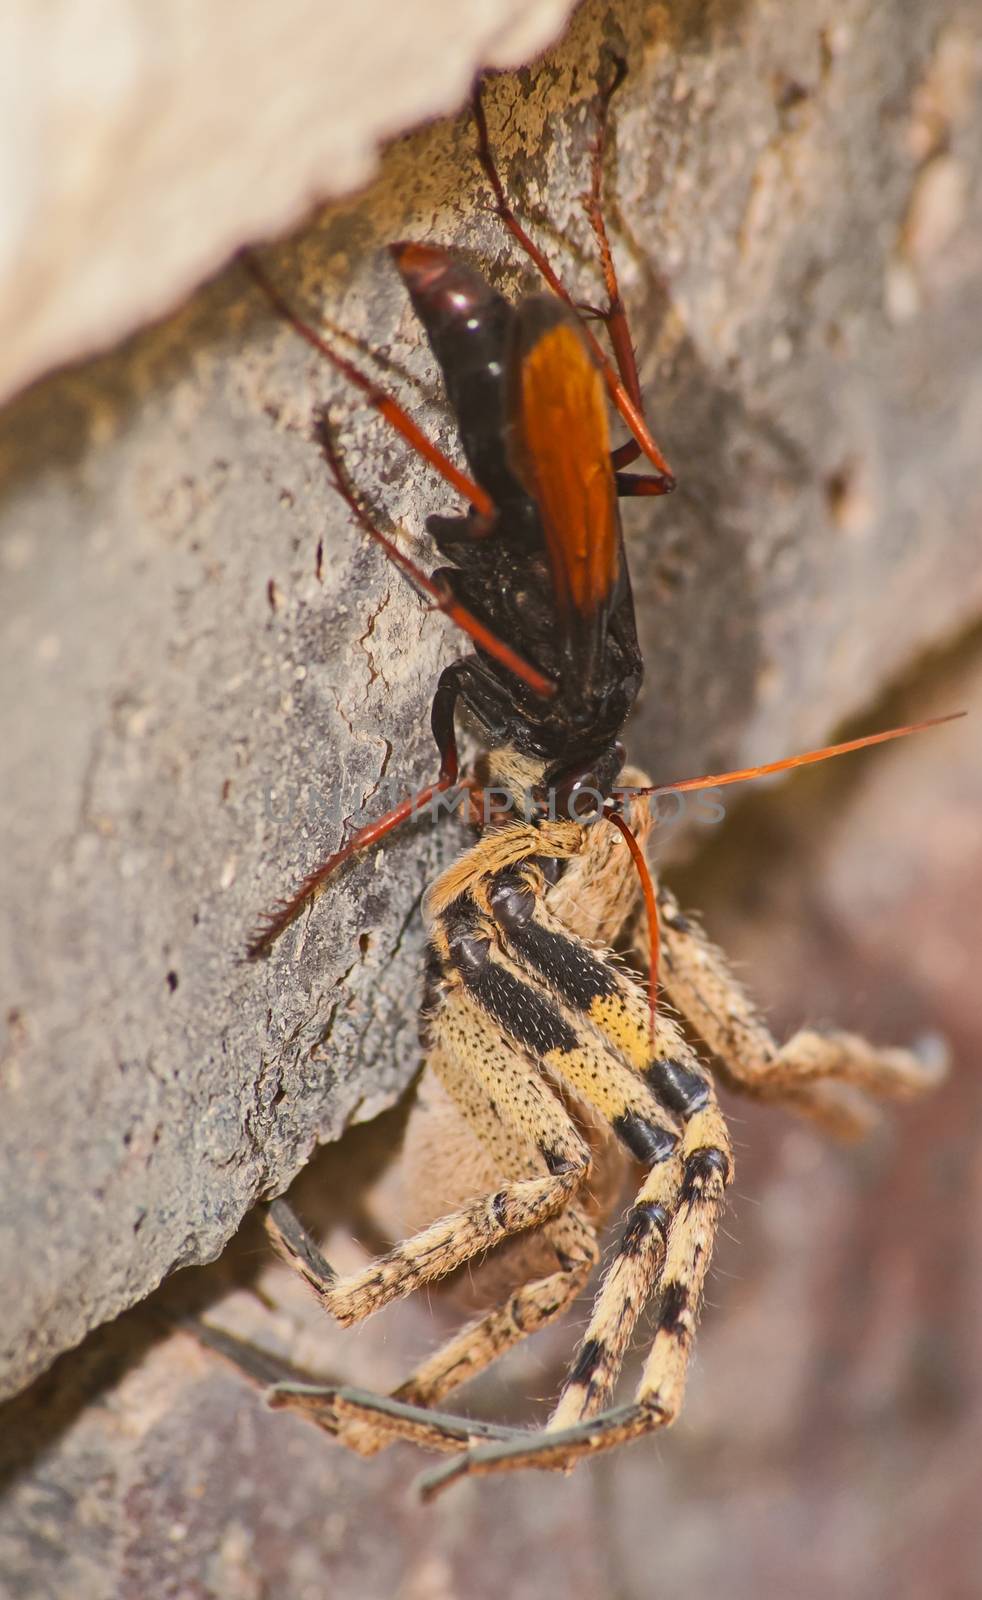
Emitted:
pixel 716 780
pixel 650 905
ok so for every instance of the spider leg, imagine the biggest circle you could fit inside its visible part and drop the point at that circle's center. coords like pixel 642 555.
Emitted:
pixel 658 1398
pixel 551 1451
pixel 616 1007
pixel 530 1306
pixel 367 1422
pixel 498 1092
pixel 645 1249
pixel 360 1425
pixel 603 1049
pixel 488 1012
pixel 623 1294
pixel 810 1072
pixel 534 1115
pixel 294 1245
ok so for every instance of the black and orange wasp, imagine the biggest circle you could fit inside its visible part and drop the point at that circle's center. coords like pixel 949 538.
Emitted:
pixel 556 1068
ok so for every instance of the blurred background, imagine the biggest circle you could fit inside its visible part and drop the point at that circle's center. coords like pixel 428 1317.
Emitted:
pixel 191 631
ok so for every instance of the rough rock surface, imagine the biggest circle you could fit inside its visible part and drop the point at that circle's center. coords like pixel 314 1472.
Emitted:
pixel 829 1443
pixel 206 671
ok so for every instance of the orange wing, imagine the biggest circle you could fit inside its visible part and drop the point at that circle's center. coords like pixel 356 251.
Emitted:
pixel 560 445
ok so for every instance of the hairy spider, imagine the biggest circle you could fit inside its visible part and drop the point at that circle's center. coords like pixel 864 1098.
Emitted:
pixel 542 1087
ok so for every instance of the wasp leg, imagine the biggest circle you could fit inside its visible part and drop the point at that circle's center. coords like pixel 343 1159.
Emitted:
pixel 385 404
pixel 633 485
pixel 615 315
pixel 812 1073
pixel 287 911
pixel 623 383
pixel 658 1398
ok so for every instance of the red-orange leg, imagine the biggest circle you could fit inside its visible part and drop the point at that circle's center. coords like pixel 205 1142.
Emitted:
pixel 438 596
pixel 615 316
pixel 383 402
pixel 288 911
pixel 633 485
pixel 622 382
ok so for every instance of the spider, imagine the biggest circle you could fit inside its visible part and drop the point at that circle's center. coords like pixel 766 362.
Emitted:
pixel 549 1071
pixel 538 1040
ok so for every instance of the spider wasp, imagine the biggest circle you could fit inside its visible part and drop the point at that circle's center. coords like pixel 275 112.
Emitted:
pixel 537 1039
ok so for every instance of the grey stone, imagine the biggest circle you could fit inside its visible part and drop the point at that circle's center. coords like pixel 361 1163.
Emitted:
pixel 179 665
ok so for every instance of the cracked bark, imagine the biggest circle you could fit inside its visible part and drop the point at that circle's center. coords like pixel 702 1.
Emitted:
pixel 195 702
